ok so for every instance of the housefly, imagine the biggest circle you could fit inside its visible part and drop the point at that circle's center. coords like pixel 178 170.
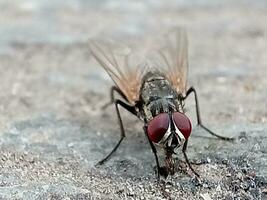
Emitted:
pixel 156 94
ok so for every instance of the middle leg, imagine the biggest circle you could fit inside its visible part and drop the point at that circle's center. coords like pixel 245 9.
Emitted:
pixel 129 108
pixel 199 122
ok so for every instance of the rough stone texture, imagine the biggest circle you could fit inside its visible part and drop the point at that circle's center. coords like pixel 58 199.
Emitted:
pixel 53 130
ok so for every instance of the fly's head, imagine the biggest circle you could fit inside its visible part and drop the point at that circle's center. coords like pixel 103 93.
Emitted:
pixel 169 130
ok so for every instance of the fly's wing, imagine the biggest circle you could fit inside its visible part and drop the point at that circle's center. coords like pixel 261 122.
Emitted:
pixel 172 59
pixel 118 63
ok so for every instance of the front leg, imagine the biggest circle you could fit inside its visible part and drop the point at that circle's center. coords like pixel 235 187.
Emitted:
pixel 154 150
pixel 187 160
pixel 199 122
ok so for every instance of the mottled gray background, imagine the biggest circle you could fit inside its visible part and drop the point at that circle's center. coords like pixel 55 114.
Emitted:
pixel 52 130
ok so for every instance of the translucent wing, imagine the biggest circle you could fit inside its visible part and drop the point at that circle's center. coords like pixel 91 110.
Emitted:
pixel 172 59
pixel 118 63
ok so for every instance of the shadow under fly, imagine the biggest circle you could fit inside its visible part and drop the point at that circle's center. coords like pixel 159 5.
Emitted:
pixel 156 94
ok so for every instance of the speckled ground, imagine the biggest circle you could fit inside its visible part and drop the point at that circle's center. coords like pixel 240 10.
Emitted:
pixel 52 128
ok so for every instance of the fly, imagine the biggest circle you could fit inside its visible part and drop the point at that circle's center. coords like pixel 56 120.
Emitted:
pixel 155 94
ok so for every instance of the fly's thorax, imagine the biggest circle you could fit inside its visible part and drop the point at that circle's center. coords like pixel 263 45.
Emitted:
pixel 157 96
pixel 156 107
pixel 155 86
pixel 161 105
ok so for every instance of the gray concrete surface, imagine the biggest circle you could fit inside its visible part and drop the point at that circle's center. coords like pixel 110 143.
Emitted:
pixel 52 130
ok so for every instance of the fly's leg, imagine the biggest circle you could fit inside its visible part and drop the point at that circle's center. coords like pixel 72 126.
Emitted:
pixel 187 160
pixel 114 89
pixel 154 150
pixel 129 108
pixel 199 122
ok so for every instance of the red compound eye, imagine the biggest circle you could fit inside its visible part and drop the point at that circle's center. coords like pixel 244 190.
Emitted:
pixel 183 123
pixel 158 126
